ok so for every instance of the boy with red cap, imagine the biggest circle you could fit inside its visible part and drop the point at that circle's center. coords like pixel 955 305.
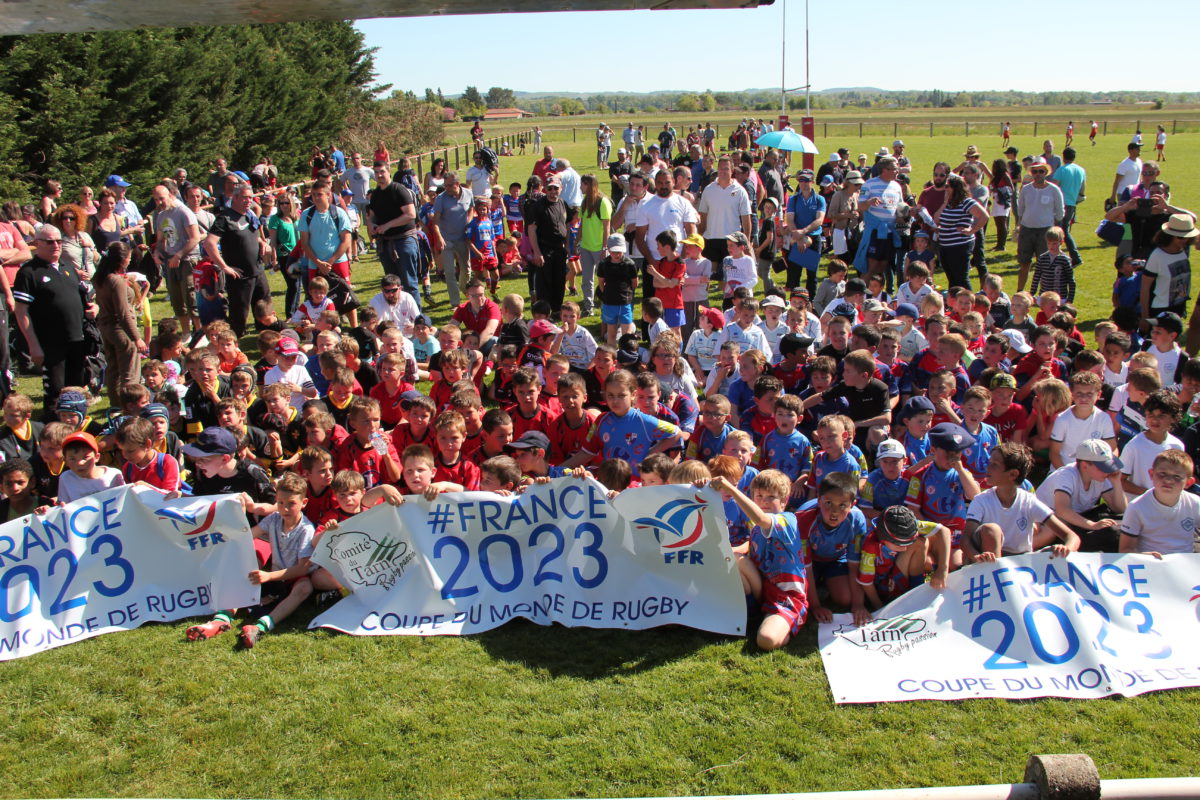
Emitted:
pixel 84 475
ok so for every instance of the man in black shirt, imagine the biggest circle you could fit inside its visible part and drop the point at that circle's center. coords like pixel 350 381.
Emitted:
pixel 50 309
pixel 547 220
pixel 393 221
pixel 619 171
pixel 234 246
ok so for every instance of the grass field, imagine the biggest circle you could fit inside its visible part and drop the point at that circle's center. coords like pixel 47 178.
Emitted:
pixel 526 711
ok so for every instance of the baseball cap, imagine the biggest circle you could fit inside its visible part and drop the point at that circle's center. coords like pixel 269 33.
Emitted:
pixel 423 319
pixel 115 180
pixel 1169 321
pixel 871 304
pixel 889 448
pixel 241 175
pixel 834 158
pixel 553 180
pixel 714 316
pixel 407 398
pixel 622 151
pixel 898 526
pixel 799 291
pixel 695 239
pixel 738 237
pixel 616 244
pixel 921 233
pixel 1002 380
pixel 827 180
pixel 1011 151
pixel 542 327
pixel 1099 453
pixel 82 437
pixel 212 442
pixel 915 405
pixel 898 143
pixel 153 410
pixel 804 175
pixel 843 308
pixel 530 439
pixel 948 436
pixel 287 347
pixel 774 301
pixel 1039 163
pixel 1016 340
pixel 907 310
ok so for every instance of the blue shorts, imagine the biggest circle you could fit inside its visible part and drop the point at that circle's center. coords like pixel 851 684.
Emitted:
pixel 881 249
pixel 616 315
pixel 674 317
pixel 824 570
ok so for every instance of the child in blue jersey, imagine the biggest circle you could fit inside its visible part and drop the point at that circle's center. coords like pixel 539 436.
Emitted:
pixel 773 563
pixel 886 485
pixel 834 530
pixel 893 558
pixel 751 366
pixel 785 448
pixel 739 445
pixel 976 404
pixel 916 417
pixel 623 431
pixel 834 436
pixel 760 419
pixel 497 212
pixel 941 490
pixel 708 441
pixel 731 469
pixel 481 240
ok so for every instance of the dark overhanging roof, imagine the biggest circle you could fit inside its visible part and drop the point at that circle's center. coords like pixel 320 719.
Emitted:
pixel 75 16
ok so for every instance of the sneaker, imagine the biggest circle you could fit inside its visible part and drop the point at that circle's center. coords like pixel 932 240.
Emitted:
pixel 198 633
pixel 250 635
pixel 328 598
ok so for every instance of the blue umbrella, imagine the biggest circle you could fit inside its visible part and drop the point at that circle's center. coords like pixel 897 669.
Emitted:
pixel 787 140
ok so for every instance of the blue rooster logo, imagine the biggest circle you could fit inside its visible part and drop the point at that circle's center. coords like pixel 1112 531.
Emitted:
pixel 178 517
pixel 672 520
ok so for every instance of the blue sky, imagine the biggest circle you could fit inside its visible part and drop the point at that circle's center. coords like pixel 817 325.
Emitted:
pixel 986 46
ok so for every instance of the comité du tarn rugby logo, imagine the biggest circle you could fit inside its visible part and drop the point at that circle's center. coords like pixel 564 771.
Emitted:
pixel 194 524
pixel 892 637
pixel 367 561
pixel 677 525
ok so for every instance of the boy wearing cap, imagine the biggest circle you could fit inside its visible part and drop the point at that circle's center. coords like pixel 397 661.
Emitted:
pixel 704 342
pixel 617 277
pixel 219 471
pixel 886 485
pixel 916 415
pixel 1006 519
pixel 1008 418
pixel 1163 521
pixel 698 273
pixel 542 333
pixel 893 556
pixel 286 370
pixel 1164 347
pixel 941 489
pixel 529 451
pixel 773 327
pixel 1075 492
pixel 912 341
pixel 84 476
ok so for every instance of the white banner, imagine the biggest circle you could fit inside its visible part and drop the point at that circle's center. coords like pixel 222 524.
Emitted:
pixel 560 552
pixel 1089 625
pixel 116 560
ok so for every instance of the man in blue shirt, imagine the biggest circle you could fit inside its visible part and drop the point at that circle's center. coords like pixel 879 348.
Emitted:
pixel 1071 179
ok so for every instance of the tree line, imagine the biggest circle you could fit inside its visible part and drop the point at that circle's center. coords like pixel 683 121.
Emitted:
pixel 141 103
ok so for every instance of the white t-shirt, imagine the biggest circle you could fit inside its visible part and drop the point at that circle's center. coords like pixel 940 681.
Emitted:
pixel 1172 276
pixel 358 181
pixel 1129 170
pixel 72 487
pixel 704 347
pixel 1072 431
pixel 1069 481
pixel 1016 521
pixel 741 271
pixel 479 181
pixel 905 294
pixel 751 338
pixel 297 376
pixel 724 208
pixel 1168 363
pixel 657 329
pixel 660 214
pixel 1138 456
pixel 774 337
pixel 1159 528
pixel 579 347
pixel 1115 379
pixel 402 313
pixel 912 343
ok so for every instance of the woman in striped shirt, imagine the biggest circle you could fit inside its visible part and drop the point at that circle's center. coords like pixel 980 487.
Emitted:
pixel 957 222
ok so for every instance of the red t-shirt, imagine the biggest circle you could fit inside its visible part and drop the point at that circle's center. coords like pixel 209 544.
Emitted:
pixel 162 472
pixel 566 441
pixel 471 444
pixel 672 296
pixel 1011 421
pixel 441 392
pixel 541 421
pixel 465 472
pixel 362 459
pixel 402 437
pixel 320 506
pixel 477 321
pixel 390 412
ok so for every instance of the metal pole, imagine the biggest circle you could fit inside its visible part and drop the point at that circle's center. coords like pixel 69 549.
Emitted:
pixel 783 60
pixel 807 79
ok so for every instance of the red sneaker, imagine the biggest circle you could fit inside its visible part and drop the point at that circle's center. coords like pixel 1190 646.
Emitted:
pixel 250 634
pixel 198 633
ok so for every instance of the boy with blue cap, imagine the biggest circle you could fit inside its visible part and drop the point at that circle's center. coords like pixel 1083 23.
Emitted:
pixel 941 490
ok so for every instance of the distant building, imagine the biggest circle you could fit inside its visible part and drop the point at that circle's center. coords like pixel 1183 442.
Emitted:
pixel 506 113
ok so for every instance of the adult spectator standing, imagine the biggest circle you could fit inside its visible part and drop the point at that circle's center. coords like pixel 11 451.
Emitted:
pixel 1072 180
pixel 902 162
pixel 339 159
pixel 394 304
pixel 480 314
pixel 1052 160
pixel 325 234
pixel 216 182
pixel 124 206
pixel 117 321
pixel 1039 207
pixel 358 180
pixel 771 177
pixel 235 248
pixel 595 216
pixel 665 210
pixel 50 306
pixel 843 215
pixel 879 199
pixel 572 188
pixel 545 165
pixel 724 208
pixel 547 220
pixel 1143 215
pixel 958 220
pixel 451 212
pixel 177 235
pixel 1003 196
pixel 933 196
pixel 1167 276
pixel 624 221
pixel 666 140
pixel 14 251
pixel 805 216
pixel 709 138
pixel 392 211
pixel 628 136
pixel 618 173
pixel 479 177
pixel 1128 172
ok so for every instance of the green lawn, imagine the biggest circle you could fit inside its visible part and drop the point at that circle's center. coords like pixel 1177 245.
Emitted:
pixel 525 711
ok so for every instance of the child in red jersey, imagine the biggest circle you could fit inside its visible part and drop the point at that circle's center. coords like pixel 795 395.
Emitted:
pixel 143 463
pixel 368 451
pixel 528 414
pixel 668 275
pixel 450 432
pixel 390 389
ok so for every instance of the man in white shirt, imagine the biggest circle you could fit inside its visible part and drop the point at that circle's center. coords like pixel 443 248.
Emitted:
pixel 724 208
pixel 1128 172
pixel 572 189
pixel 393 304
pixel 666 210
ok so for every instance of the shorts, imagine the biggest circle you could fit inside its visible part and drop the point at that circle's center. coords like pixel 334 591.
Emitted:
pixel 824 570
pixel 674 317
pixel 1031 243
pixel 341 268
pixel 881 249
pixel 488 263
pixel 516 226
pixel 616 315
pixel 790 604
pixel 181 287
pixel 896 583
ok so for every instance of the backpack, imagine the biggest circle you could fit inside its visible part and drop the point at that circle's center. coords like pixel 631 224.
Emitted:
pixel 491 161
